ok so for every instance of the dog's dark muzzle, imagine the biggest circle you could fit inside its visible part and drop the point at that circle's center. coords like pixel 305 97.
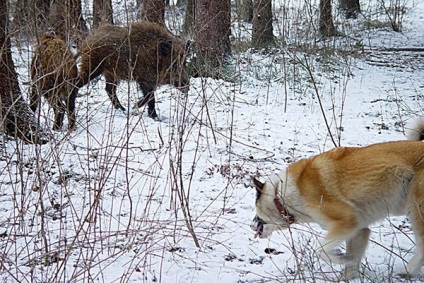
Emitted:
pixel 257 226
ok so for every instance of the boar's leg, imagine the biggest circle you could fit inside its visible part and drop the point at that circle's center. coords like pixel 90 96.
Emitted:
pixel 58 120
pixel 70 106
pixel 149 98
pixel 111 91
pixel 59 113
pixel 34 98
pixel 151 111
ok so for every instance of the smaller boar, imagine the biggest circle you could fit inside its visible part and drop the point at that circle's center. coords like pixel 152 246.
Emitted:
pixel 143 52
pixel 54 75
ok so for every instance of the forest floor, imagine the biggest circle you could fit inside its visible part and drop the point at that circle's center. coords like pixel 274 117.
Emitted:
pixel 124 198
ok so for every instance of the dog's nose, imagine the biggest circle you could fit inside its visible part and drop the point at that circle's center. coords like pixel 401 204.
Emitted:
pixel 254 226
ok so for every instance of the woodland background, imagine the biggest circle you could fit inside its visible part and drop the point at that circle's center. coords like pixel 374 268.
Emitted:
pixel 126 198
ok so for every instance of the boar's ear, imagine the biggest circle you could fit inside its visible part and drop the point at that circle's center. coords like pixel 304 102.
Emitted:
pixel 165 48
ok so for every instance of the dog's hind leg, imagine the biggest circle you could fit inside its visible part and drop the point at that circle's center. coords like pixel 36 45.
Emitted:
pixel 416 207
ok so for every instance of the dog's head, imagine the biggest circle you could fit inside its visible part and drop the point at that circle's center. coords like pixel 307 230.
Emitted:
pixel 271 214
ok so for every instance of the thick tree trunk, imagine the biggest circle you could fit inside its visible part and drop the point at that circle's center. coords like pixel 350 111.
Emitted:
pixel 16 118
pixel 30 17
pixel 326 24
pixel 262 34
pixel 153 11
pixel 102 12
pixel 212 24
pixel 188 24
pixel 350 8
pixel 66 20
pixel 245 10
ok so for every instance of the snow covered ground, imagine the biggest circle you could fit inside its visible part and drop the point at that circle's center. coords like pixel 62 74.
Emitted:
pixel 124 198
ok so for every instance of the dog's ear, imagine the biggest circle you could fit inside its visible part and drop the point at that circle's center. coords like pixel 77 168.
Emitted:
pixel 258 185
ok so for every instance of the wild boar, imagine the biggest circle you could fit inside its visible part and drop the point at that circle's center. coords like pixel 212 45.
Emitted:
pixel 143 52
pixel 54 75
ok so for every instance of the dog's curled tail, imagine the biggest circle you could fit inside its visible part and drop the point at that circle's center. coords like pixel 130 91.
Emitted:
pixel 416 132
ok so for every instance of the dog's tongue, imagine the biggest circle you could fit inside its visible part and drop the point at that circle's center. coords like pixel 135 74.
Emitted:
pixel 259 230
pixel 257 234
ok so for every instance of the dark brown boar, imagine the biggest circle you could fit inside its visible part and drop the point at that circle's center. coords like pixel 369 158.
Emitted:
pixel 54 75
pixel 143 52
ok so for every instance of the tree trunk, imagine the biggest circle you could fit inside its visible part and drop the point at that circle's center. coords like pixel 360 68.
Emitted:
pixel 102 12
pixel 212 33
pixel 245 10
pixel 262 34
pixel 188 24
pixel 16 118
pixel 66 20
pixel 153 11
pixel 30 17
pixel 350 8
pixel 326 24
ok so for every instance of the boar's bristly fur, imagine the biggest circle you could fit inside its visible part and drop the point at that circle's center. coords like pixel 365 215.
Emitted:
pixel 143 52
pixel 54 75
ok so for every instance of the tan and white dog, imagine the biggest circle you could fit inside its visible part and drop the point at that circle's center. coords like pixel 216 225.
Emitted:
pixel 345 190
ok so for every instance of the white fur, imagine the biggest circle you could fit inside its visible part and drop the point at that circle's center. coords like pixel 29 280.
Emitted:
pixel 289 196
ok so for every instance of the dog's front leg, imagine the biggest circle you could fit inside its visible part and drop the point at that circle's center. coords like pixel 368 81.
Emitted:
pixel 355 249
pixel 329 246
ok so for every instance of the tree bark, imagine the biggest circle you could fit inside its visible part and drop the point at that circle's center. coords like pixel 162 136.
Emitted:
pixel 245 10
pixel 153 11
pixel 212 33
pixel 188 24
pixel 102 12
pixel 350 8
pixel 262 34
pixel 30 17
pixel 16 118
pixel 66 20
pixel 326 24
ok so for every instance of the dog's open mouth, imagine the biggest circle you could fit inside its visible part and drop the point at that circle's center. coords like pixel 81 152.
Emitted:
pixel 259 227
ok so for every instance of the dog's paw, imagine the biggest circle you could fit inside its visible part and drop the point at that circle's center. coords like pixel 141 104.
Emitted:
pixel 350 272
pixel 403 275
pixel 335 256
pixel 407 276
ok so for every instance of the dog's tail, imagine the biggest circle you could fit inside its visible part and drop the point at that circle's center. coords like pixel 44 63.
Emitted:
pixel 416 132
